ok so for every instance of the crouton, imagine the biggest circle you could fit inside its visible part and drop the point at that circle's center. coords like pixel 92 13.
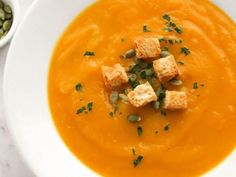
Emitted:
pixel 114 76
pixel 147 47
pixel 166 68
pixel 175 100
pixel 142 95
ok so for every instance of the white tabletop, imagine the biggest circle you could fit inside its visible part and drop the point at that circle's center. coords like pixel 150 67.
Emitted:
pixel 11 164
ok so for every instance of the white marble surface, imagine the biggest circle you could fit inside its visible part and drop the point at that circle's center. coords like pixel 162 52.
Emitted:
pixel 11 164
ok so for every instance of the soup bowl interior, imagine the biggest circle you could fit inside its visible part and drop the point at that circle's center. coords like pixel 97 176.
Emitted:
pixel 25 90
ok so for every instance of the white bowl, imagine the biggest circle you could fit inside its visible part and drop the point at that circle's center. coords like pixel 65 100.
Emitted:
pixel 25 90
pixel 16 15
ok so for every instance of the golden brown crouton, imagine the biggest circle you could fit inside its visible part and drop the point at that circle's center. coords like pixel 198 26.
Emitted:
pixel 147 47
pixel 114 76
pixel 142 95
pixel 166 68
pixel 175 100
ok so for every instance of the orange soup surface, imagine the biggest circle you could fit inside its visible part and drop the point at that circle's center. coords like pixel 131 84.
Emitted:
pixel 182 143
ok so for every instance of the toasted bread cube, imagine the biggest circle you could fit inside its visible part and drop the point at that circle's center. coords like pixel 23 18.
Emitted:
pixel 114 76
pixel 175 100
pixel 147 47
pixel 166 68
pixel 142 95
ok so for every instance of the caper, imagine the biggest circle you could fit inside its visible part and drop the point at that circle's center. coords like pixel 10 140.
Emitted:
pixel 7 9
pixel 2 14
pixel 1 23
pixel 6 25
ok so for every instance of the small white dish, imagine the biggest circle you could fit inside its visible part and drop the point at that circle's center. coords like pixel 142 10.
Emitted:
pixel 14 4
pixel 25 90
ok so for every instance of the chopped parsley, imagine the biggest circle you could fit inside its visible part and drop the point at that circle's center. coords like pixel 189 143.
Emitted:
pixel 179 30
pixel 81 110
pixel 89 53
pixel 137 161
pixel 202 85
pixel 140 131
pixel 195 86
pixel 171 41
pixel 133 151
pixel 145 29
pixel 167 127
pixel 90 106
pixel 185 51
pixel 134 83
pixel 79 87
pixel 178 41
pixel 165 49
pixel 161 93
pixel 166 17
pixel 162 39
pixel 171 26
pixel 181 62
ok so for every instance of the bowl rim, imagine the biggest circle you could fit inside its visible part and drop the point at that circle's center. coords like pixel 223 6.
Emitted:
pixel 16 18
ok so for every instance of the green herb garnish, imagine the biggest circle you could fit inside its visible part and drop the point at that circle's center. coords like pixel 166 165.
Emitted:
pixel 79 87
pixel 185 51
pixel 161 93
pixel 165 49
pixel 133 84
pixel 137 161
pixel 133 118
pixel 133 151
pixel 81 110
pixel 90 106
pixel 145 29
pixel 171 26
pixel 166 17
pixel 140 131
pixel 89 53
pixel 195 86
pixel 167 127
pixel 162 39
pixel 179 30
pixel 181 62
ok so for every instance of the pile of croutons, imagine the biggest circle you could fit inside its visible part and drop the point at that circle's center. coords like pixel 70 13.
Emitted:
pixel 164 69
